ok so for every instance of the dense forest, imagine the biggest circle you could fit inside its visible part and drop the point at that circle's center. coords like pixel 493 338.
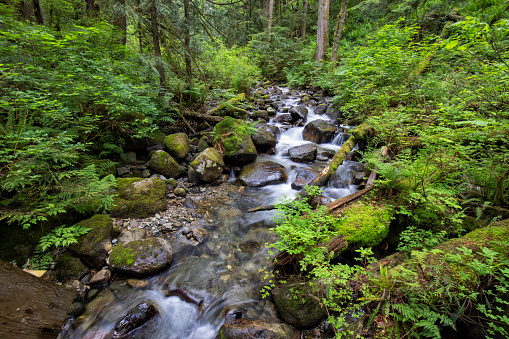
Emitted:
pixel 84 84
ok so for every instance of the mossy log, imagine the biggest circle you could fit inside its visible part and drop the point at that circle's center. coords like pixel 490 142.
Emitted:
pixel 31 307
pixel 202 117
pixel 230 107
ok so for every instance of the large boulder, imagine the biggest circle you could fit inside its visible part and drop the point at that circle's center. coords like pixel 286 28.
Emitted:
pixel 69 268
pixel 256 329
pixel 178 145
pixel 265 137
pixel 299 112
pixel 139 198
pixel 262 174
pixel 164 164
pixel 208 164
pixel 303 178
pixel 319 131
pixel 303 153
pixel 321 109
pixel 92 248
pixel 333 113
pixel 234 136
pixel 304 312
pixel 141 257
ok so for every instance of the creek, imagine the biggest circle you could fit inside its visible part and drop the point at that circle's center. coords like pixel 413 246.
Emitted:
pixel 220 278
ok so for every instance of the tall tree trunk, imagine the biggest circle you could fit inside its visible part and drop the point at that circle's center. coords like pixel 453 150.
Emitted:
pixel 322 29
pixel 157 48
pixel 140 36
pixel 305 19
pixel 187 42
pixel 38 12
pixel 122 23
pixel 271 14
pixel 339 29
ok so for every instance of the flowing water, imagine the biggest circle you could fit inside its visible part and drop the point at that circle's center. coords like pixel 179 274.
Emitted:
pixel 222 275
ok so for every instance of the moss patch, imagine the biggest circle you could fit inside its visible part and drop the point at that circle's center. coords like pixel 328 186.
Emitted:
pixel 231 133
pixel 139 198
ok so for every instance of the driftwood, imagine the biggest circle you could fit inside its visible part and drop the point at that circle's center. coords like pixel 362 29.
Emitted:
pixel 31 307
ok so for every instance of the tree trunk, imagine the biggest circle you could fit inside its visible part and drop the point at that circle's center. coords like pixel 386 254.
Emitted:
pixel 187 42
pixel 339 29
pixel 322 29
pixel 271 14
pixel 38 12
pixel 140 36
pixel 122 24
pixel 31 307
pixel 305 19
pixel 157 48
pixel 92 8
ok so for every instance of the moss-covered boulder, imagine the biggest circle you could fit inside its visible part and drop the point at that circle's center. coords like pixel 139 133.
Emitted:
pixel 92 248
pixel 141 257
pixel 303 312
pixel 178 145
pixel 139 198
pixel 259 328
pixel 234 136
pixel 70 268
pixel 262 174
pixel 208 164
pixel 265 137
pixel 164 164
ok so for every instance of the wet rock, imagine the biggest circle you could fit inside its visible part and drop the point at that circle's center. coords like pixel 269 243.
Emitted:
pixel 180 192
pixel 323 154
pixel 200 234
pixel 333 113
pixel 358 178
pixel 319 131
pixel 122 171
pixel 163 163
pixel 141 257
pixel 208 164
pixel 192 176
pixel 336 182
pixel 250 246
pixel 301 315
pixel 190 203
pixel 299 112
pixel 178 145
pixel 261 114
pixel 320 200
pixel 202 145
pixel 303 153
pixel 185 295
pixel 136 318
pixel 272 110
pixel 264 138
pixel 262 174
pixel 70 268
pixel 321 109
pixel 92 248
pixel 259 329
pixel 101 278
pixel 303 178
pixel 138 198
pixel 284 118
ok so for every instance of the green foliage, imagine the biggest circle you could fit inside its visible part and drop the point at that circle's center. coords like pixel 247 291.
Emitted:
pixel 413 239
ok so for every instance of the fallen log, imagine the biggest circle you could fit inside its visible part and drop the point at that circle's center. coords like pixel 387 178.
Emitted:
pixel 31 307
pixel 198 116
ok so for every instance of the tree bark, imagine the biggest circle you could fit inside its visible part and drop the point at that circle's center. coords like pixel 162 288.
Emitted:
pixel 187 42
pixel 157 48
pixel 92 7
pixel 322 29
pixel 271 15
pixel 303 28
pixel 339 29
pixel 38 12
pixel 31 307
pixel 122 24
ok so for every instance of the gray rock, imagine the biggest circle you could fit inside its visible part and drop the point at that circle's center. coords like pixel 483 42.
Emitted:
pixel 180 192
pixel 202 145
pixel 136 318
pixel 262 174
pixel 321 109
pixel 333 113
pixel 319 131
pixel 303 178
pixel 122 171
pixel 145 173
pixel 164 164
pixel 208 165
pixel 264 138
pixel 303 153
pixel 101 278
pixel 130 157
pixel 324 154
pixel 138 198
pixel 285 117
pixel 132 235
pixel 299 112
pixel 258 328
pixel 261 114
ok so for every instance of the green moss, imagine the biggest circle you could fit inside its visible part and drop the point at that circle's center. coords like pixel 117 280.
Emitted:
pixel 365 224
pixel 139 201
pixel 232 132
pixel 123 256
pixel 101 227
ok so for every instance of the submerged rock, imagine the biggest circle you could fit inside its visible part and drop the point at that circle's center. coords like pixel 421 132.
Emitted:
pixel 262 173
pixel 139 198
pixel 256 329
pixel 303 178
pixel 141 257
pixel 136 318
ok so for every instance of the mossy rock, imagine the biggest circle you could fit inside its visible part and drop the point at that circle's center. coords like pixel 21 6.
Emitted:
pixel 156 137
pixel 141 257
pixel 139 198
pixel 178 145
pixel 92 248
pixel 164 164
pixel 258 328
pixel 298 305
pixel 208 164
pixel 70 268
pixel 234 136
